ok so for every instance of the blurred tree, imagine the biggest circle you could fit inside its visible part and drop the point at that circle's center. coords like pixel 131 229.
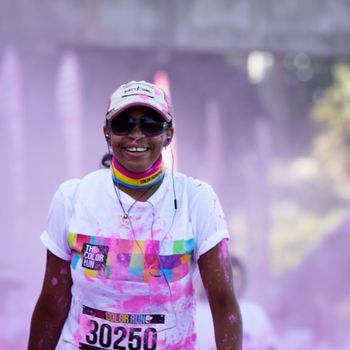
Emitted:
pixel 310 194
pixel 297 231
pixel 332 143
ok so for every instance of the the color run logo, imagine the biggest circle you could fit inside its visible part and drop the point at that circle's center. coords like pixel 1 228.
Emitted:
pixel 94 256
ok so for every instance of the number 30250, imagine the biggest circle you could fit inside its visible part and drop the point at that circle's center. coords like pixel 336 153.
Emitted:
pixel 121 338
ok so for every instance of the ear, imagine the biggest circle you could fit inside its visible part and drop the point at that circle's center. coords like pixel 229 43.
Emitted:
pixel 168 137
pixel 106 134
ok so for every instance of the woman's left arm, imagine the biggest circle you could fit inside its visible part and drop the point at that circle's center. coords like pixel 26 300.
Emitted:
pixel 216 272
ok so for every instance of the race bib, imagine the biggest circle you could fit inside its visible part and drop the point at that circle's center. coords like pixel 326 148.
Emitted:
pixel 103 330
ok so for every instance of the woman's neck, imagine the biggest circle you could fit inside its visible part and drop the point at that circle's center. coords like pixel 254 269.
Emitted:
pixel 140 186
pixel 141 194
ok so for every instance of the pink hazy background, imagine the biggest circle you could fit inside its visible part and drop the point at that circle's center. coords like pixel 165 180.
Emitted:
pixel 263 122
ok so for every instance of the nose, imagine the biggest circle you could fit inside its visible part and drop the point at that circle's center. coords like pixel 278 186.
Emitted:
pixel 136 133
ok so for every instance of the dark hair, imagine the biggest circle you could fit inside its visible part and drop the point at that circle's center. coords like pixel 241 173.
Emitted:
pixel 106 160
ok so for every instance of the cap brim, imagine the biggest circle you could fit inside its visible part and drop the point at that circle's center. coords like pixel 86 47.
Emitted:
pixel 111 117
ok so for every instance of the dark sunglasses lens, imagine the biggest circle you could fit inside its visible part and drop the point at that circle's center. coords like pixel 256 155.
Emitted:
pixel 150 126
pixel 122 125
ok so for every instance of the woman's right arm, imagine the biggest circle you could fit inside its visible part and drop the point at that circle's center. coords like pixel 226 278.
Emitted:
pixel 53 305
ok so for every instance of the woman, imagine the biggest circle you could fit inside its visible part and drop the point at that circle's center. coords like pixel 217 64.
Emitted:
pixel 125 243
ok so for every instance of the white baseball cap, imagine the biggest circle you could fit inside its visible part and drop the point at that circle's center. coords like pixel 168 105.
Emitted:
pixel 139 93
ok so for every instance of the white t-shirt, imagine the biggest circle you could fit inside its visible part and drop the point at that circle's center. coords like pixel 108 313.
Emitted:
pixel 132 285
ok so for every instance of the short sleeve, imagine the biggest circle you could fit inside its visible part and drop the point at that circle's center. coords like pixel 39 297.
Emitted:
pixel 207 218
pixel 55 235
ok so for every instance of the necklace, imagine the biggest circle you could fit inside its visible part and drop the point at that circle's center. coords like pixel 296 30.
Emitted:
pixel 126 217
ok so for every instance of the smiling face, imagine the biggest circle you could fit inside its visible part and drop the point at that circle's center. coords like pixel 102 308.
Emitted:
pixel 136 151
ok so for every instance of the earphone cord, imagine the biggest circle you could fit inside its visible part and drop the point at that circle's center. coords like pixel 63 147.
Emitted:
pixel 116 190
pixel 172 176
pixel 160 263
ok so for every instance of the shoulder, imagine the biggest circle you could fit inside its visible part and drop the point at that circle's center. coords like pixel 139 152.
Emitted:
pixel 70 187
pixel 196 190
pixel 193 185
pixel 67 189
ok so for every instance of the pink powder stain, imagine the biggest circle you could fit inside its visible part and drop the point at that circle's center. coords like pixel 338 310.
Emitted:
pixel 137 218
pixel 232 318
pixel 137 304
pixel 63 271
pixel 88 278
pixel 54 281
pixel 102 277
pixel 133 142
pixel 225 258
pixel 187 344
pixel 224 253
pixel 161 343
pixel 152 247
pixel 77 337
pixel 95 250
pixel 177 292
pixel 187 289
pixel 157 231
pixel 118 286
pixel 115 306
pixel 136 232
pixel 145 97
pixel 85 324
pixel 165 107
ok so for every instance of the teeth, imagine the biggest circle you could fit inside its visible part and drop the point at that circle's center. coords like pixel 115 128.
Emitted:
pixel 136 149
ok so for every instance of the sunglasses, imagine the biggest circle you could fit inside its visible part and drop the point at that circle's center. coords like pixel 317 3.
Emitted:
pixel 149 125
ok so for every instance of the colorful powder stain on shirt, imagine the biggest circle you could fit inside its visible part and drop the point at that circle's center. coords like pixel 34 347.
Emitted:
pixel 131 260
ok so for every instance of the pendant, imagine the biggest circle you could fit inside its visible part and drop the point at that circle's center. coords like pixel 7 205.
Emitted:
pixel 125 219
